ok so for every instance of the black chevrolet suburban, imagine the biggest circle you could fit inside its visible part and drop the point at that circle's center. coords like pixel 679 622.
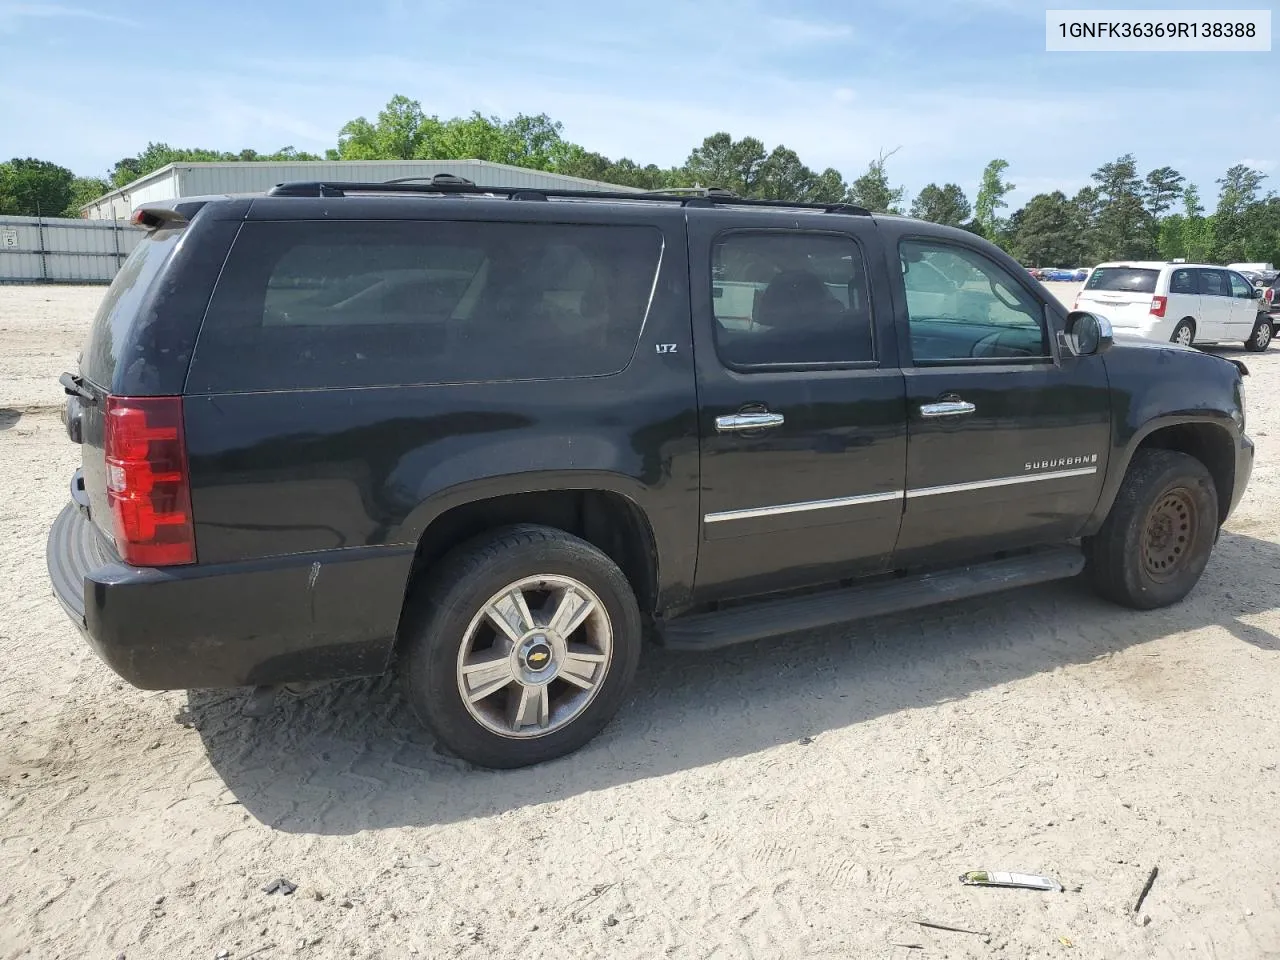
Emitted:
pixel 494 438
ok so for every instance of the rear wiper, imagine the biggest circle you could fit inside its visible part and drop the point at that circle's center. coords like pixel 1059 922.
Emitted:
pixel 74 386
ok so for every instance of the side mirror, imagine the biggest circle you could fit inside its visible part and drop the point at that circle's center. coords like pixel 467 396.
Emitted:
pixel 1258 293
pixel 1088 334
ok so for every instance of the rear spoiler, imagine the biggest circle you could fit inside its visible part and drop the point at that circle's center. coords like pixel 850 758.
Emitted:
pixel 1239 365
pixel 171 213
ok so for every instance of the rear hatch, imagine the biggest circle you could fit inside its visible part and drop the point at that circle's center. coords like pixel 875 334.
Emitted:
pixel 109 346
pixel 1121 294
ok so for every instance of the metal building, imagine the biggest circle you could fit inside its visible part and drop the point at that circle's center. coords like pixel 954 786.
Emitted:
pixel 57 250
pixel 236 177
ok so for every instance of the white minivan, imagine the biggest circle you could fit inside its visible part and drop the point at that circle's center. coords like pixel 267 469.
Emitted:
pixel 1181 302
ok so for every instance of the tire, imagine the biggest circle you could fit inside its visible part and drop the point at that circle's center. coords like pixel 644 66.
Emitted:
pixel 1260 339
pixel 533 713
pixel 1156 541
pixel 1184 333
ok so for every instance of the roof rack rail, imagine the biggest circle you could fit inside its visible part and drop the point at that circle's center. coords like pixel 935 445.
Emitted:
pixel 700 197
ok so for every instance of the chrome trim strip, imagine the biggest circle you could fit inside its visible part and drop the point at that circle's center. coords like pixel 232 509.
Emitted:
pixel 782 508
pixel 999 482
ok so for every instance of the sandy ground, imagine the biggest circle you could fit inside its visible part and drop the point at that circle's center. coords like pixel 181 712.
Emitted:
pixel 813 797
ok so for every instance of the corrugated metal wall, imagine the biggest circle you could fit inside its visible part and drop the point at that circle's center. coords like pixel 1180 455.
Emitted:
pixel 195 179
pixel 56 250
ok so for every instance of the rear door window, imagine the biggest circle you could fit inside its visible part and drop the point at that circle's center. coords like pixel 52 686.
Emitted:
pixel 1213 283
pixel 344 304
pixel 790 297
pixel 1123 279
pixel 1183 281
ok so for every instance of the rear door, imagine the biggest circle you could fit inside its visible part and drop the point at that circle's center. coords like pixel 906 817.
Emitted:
pixel 1122 294
pixel 1215 305
pixel 801 420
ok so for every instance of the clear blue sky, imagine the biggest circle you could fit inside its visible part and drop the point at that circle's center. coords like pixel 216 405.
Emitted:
pixel 953 83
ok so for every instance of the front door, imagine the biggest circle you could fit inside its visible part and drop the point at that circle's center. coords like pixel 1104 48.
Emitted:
pixel 1006 439
pixel 802 426
pixel 1215 306
pixel 1244 307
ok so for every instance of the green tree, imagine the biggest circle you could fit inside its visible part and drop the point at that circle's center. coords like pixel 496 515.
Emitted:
pixel 1086 207
pixel 828 187
pixel 1262 231
pixel 724 162
pixel 398 134
pixel 1123 227
pixel 1239 191
pixel 946 204
pixel 31 188
pixel 1161 189
pixel 873 190
pixel 85 190
pixel 1046 232
pixel 991 196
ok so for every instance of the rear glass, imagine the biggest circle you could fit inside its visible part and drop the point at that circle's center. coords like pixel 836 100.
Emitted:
pixel 1123 279
pixel 110 325
pixel 305 304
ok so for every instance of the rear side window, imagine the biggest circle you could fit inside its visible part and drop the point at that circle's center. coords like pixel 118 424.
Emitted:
pixel 110 325
pixel 345 304
pixel 1123 279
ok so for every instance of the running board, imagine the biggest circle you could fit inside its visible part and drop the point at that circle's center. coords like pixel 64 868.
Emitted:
pixel 771 618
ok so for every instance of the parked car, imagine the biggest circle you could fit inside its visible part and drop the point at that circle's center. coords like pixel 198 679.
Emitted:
pixel 1271 299
pixel 1060 275
pixel 1253 277
pixel 1082 273
pixel 1181 302
pixel 1265 270
pixel 491 443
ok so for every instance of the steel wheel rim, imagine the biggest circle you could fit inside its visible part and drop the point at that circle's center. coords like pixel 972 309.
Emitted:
pixel 1263 336
pixel 1172 525
pixel 534 656
pixel 1183 336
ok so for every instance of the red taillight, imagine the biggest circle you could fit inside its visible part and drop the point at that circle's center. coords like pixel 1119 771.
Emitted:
pixel 1158 305
pixel 1270 295
pixel 147 481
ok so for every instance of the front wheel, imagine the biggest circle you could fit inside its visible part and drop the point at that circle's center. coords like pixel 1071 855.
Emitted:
pixel 1156 541
pixel 1260 339
pixel 1184 333
pixel 524 648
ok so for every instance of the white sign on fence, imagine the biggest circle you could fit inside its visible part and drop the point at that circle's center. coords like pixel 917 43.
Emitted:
pixel 8 237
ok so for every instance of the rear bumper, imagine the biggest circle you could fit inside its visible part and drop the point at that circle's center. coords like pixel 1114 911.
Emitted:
pixel 314 616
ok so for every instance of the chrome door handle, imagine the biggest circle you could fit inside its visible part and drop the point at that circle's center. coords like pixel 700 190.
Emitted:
pixel 737 422
pixel 947 408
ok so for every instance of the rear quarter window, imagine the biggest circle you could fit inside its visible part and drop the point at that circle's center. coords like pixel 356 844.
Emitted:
pixel 1123 279
pixel 345 304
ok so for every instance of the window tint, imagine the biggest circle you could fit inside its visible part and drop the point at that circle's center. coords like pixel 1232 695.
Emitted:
pixel 963 306
pixel 790 297
pixel 1183 281
pixel 120 305
pixel 305 304
pixel 1240 287
pixel 1123 279
pixel 1213 283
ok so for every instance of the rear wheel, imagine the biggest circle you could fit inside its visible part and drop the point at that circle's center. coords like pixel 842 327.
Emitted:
pixel 1184 333
pixel 524 648
pixel 1156 541
pixel 1260 339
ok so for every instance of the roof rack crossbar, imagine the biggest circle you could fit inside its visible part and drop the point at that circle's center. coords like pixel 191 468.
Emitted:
pixel 705 196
